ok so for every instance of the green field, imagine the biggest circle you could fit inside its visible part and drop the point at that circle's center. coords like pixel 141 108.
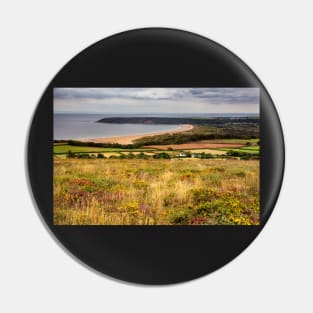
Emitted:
pixel 251 148
pixel 233 140
pixel 62 149
pixel 65 148
pixel 255 150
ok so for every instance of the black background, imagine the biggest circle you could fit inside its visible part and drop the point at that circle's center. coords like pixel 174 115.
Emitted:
pixel 154 58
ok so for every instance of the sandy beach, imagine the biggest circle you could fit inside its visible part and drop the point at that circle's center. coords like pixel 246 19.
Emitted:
pixel 124 140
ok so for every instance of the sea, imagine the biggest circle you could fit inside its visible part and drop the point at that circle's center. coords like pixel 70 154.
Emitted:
pixel 84 125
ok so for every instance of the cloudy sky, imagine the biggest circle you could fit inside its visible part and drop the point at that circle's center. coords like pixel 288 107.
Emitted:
pixel 156 100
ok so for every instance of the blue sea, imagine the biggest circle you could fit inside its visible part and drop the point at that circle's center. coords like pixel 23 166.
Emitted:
pixel 84 126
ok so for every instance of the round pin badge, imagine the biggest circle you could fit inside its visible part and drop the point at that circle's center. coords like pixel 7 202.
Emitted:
pixel 155 156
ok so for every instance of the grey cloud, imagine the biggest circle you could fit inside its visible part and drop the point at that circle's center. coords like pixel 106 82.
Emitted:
pixel 110 93
pixel 85 93
pixel 157 99
pixel 211 95
pixel 228 95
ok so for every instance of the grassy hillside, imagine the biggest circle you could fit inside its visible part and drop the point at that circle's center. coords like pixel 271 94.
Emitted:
pixel 156 192
pixel 204 132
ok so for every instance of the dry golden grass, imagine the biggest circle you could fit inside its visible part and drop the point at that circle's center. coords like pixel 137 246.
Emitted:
pixel 156 192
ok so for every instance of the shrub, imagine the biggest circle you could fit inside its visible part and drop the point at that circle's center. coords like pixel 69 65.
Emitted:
pixel 162 155
pixel 206 156
pixel 141 155
pixel 207 208
pixel 200 195
pixel 84 156
pixel 71 154
pixel 234 153
pixel 130 156
pixel 181 217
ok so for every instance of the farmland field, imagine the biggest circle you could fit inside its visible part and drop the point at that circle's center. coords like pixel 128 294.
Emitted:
pixel 233 140
pixel 211 151
pixel 156 192
pixel 249 150
pixel 64 148
pixel 197 145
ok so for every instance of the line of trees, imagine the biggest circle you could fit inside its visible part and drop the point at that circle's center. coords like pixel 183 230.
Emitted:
pixel 97 144
pixel 141 155
pixel 164 155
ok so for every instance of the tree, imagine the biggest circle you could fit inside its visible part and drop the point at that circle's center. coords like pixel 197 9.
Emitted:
pixel 162 155
pixel 71 154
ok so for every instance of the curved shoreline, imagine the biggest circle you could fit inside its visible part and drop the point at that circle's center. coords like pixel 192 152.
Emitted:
pixel 124 140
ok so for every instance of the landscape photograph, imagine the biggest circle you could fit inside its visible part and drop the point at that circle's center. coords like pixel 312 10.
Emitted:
pixel 156 156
